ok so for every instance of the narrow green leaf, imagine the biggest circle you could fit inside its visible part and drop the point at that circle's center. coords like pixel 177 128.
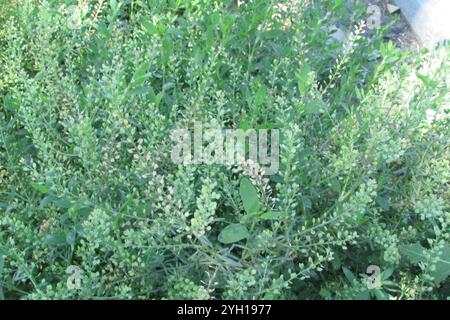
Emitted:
pixel 426 80
pixel 349 275
pixel 2 296
pixel 2 263
pixel 271 215
pixel 233 233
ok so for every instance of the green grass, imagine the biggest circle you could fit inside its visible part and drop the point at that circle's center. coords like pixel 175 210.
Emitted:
pixel 86 178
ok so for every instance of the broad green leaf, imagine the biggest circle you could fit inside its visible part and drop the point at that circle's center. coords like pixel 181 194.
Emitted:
pixel 113 4
pixel 381 295
pixel 167 86
pixel 156 261
pixel 2 296
pixel 335 185
pixel 304 79
pixel 78 210
pixel 386 274
pixel 314 106
pixel 276 178
pixel 62 203
pixel 383 202
pixel 139 90
pixel 149 27
pixel 442 270
pixel 11 104
pixel 56 239
pixel 260 97
pixel 325 293
pixel 46 201
pixel 363 295
pixel 249 196
pixel 175 32
pixel 139 74
pixel 167 49
pixel 233 233
pixel 40 187
pixel 416 254
pixel 250 217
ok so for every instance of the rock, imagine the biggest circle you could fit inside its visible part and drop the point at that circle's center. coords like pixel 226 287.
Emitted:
pixel 392 9
pixel 428 19
pixel 337 34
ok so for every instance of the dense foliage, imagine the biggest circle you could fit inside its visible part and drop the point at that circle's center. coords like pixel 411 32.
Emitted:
pixel 90 95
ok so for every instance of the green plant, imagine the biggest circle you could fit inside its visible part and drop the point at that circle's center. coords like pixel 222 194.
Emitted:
pixel 86 177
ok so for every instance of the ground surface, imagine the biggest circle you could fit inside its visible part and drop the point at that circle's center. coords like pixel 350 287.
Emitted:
pixel 400 32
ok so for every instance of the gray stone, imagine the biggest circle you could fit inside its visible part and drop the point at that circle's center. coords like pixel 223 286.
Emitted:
pixel 429 19
pixel 338 34
pixel 392 9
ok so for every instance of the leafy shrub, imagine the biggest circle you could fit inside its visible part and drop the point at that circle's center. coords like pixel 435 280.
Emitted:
pixel 88 104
